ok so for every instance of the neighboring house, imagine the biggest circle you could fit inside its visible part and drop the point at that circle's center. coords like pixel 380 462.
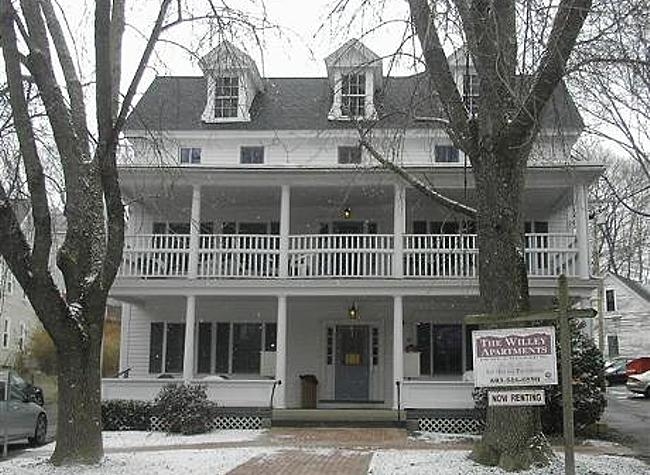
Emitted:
pixel 626 310
pixel 17 318
pixel 263 244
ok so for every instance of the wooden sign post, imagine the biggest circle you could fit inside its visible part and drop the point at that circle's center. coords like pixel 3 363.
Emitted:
pixel 562 316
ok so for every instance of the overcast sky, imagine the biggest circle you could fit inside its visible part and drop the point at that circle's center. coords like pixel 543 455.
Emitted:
pixel 297 47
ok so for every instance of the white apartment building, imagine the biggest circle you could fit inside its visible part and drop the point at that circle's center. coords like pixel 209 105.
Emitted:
pixel 263 244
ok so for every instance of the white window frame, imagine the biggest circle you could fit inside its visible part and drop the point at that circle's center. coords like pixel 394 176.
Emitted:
pixel 5 335
pixel 190 151
pixel 241 154
pixel 359 97
pixel 221 99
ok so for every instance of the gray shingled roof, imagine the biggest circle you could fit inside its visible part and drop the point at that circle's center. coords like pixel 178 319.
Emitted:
pixel 175 103
pixel 642 291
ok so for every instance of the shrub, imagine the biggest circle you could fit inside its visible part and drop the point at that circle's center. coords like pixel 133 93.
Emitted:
pixel 184 408
pixel 40 353
pixel 588 380
pixel 126 415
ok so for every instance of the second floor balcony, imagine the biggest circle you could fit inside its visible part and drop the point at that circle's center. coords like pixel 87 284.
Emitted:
pixel 334 225
pixel 315 256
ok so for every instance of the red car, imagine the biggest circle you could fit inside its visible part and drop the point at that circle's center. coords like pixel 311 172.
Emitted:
pixel 638 366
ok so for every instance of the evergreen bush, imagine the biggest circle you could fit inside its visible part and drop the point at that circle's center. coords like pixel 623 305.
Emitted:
pixel 184 408
pixel 122 414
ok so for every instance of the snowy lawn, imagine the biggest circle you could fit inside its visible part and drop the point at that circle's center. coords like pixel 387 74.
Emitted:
pixel 443 438
pixel 130 439
pixel 212 461
pixel 455 462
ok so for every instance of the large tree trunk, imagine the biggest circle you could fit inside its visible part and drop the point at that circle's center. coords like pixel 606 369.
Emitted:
pixel 513 436
pixel 79 425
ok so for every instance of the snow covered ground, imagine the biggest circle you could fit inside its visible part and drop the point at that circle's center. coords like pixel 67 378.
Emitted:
pixel 211 462
pixel 455 462
pixel 143 452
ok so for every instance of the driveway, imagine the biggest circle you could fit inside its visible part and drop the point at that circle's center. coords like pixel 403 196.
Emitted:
pixel 629 415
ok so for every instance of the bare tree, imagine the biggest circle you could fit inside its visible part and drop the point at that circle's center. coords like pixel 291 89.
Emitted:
pixel 610 74
pixel 520 52
pixel 620 204
pixel 38 49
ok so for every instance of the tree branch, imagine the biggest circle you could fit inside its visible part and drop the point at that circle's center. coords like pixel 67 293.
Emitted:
pixel 568 22
pixel 75 91
pixel 440 74
pixel 419 184
pixel 27 143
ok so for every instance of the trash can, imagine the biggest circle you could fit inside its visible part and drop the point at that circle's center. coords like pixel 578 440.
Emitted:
pixel 309 391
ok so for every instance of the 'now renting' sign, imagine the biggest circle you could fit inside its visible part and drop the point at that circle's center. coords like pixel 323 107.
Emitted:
pixel 526 397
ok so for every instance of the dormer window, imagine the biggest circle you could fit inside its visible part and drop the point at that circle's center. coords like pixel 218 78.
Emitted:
pixel 226 97
pixel 232 81
pixel 355 75
pixel 353 95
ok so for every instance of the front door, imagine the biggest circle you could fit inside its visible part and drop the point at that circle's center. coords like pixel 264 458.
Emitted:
pixel 352 363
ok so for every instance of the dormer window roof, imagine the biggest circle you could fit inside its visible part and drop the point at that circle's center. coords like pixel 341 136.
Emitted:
pixel 232 80
pixel 355 74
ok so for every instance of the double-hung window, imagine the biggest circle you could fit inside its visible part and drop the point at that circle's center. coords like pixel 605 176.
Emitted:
pixel 226 97
pixel 4 335
pixel 349 155
pixel 353 95
pixel 190 155
pixel 166 347
pixel 446 154
pixel 441 348
pixel 251 155
pixel 610 300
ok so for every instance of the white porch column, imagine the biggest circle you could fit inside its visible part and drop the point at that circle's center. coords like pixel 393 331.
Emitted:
pixel 281 353
pixel 399 227
pixel 195 231
pixel 188 352
pixel 398 346
pixel 285 220
pixel 580 203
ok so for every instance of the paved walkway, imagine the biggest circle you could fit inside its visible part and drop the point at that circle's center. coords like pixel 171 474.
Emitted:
pixel 307 462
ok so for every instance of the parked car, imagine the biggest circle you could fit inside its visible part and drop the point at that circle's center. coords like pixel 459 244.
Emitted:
pixel 638 366
pixel 639 383
pixel 20 416
pixel 615 371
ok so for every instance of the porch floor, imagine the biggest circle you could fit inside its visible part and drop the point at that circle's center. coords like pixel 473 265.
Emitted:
pixel 338 418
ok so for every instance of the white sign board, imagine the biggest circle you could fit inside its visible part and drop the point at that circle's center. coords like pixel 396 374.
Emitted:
pixel 514 357
pixel 523 397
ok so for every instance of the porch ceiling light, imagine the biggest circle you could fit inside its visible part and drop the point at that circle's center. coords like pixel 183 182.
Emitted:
pixel 353 312
pixel 347 213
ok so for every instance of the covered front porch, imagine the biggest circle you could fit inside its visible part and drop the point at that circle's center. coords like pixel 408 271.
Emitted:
pixel 252 351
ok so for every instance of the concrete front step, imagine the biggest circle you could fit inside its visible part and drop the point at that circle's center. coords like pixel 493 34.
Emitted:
pixel 337 418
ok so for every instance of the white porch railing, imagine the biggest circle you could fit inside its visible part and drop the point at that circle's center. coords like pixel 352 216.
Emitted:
pixel 341 255
pixel 549 255
pixel 227 392
pixel 440 255
pixel 239 255
pixel 312 256
pixel 156 255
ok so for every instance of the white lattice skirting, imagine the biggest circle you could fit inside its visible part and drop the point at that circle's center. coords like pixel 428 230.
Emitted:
pixel 449 425
pixel 239 422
